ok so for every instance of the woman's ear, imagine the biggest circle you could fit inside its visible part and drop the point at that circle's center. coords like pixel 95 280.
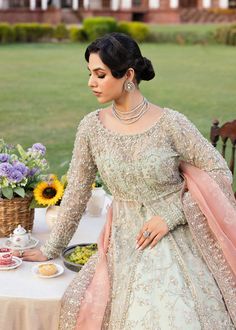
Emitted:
pixel 130 74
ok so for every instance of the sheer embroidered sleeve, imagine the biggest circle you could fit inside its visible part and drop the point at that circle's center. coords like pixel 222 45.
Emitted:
pixel 81 175
pixel 198 151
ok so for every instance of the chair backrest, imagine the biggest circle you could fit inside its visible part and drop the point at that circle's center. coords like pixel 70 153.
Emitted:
pixel 227 133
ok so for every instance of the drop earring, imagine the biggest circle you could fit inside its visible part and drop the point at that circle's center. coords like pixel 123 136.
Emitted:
pixel 129 86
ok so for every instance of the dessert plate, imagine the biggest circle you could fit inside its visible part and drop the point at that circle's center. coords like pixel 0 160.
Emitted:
pixel 32 243
pixel 16 262
pixel 35 271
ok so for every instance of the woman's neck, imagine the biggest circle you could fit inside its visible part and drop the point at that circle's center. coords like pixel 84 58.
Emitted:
pixel 128 101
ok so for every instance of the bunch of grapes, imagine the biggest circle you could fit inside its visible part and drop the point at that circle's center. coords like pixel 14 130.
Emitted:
pixel 81 254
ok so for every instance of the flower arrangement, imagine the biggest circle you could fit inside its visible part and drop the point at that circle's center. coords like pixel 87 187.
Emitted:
pixel 20 170
pixel 50 191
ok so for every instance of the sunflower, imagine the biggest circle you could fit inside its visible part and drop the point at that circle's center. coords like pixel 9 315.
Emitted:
pixel 48 192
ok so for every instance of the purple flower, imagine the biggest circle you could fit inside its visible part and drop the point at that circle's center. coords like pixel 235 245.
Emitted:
pixel 32 171
pixel 5 169
pixel 38 147
pixel 4 158
pixel 21 167
pixel 15 176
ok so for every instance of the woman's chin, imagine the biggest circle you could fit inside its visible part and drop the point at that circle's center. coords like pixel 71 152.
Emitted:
pixel 102 100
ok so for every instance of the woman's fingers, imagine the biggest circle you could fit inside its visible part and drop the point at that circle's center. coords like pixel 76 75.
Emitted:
pixel 140 234
pixel 144 242
pixel 154 228
pixel 141 238
pixel 30 255
pixel 155 240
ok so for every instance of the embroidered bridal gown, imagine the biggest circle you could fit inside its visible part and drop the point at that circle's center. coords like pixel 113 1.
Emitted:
pixel 169 287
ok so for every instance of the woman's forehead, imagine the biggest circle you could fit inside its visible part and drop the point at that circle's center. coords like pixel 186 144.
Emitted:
pixel 95 63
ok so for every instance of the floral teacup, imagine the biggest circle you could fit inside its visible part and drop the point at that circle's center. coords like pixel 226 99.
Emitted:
pixel 5 256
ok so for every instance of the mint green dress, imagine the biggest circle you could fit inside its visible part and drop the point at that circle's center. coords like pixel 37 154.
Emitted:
pixel 169 287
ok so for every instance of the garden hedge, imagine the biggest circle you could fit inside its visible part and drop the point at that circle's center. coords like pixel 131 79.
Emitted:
pixel 98 26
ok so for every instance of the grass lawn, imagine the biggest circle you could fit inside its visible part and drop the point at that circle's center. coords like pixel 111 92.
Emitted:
pixel 44 94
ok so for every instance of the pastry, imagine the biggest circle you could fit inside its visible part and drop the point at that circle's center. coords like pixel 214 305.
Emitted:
pixel 47 269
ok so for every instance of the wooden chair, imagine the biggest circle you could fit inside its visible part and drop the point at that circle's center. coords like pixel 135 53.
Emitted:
pixel 227 132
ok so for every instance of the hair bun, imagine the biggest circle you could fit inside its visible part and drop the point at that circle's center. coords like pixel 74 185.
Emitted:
pixel 147 72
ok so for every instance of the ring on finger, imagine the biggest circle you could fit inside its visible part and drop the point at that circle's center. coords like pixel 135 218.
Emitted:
pixel 21 253
pixel 146 233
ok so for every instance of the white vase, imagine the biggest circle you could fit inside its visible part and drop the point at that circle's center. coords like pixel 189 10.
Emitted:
pixel 51 215
pixel 96 202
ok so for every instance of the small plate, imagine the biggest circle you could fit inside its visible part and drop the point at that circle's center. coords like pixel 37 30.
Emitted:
pixel 35 271
pixel 16 262
pixel 32 243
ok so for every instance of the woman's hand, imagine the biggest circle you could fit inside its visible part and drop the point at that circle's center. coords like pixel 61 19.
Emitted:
pixel 151 233
pixel 30 255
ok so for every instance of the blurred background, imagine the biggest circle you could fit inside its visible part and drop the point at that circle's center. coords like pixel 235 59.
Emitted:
pixel 43 73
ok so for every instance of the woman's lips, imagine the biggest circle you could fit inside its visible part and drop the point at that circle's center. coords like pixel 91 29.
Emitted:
pixel 97 93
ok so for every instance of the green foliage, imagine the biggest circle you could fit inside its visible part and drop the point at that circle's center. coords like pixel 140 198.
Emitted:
pixel 182 37
pixel 32 32
pixel 7 34
pixel 7 192
pixel 60 32
pixel 226 35
pixel 137 30
pixel 96 27
pixel 19 191
pixel 77 34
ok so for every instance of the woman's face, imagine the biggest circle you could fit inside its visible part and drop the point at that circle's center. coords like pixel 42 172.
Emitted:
pixel 101 81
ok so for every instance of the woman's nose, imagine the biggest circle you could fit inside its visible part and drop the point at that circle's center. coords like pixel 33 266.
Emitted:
pixel 91 82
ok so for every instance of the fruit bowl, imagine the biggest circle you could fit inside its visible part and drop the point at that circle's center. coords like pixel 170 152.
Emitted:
pixel 75 256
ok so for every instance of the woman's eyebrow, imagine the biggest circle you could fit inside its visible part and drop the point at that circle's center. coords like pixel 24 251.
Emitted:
pixel 96 69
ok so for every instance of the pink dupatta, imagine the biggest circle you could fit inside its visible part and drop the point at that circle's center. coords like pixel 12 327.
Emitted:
pixel 220 218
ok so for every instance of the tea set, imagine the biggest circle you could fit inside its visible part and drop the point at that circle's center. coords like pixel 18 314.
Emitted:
pixel 20 239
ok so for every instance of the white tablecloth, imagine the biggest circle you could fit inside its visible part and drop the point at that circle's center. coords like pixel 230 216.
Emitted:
pixel 29 302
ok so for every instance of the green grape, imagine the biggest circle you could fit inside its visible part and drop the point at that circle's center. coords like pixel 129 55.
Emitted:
pixel 81 254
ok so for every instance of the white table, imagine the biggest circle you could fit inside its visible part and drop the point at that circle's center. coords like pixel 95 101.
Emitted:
pixel 29 302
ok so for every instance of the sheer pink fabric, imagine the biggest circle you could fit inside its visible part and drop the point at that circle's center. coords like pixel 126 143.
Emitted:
pixel 219 212
pixel 221 219
pixel 94 304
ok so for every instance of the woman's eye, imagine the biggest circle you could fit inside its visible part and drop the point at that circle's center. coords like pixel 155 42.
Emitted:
pixel 101 76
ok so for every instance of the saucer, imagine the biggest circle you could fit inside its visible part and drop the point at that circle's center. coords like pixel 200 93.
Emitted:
pixel 35 271
pixel 16 262
pixel 32 243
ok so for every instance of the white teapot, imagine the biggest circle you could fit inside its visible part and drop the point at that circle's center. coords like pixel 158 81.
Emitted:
pixel 20 237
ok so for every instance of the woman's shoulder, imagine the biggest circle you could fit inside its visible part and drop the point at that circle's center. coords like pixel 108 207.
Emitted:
pixel 88 118
pixel 88 121
pixel 174 114
pixel 176 119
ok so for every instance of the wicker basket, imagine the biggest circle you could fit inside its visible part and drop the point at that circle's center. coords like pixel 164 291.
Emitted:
pixel 15 212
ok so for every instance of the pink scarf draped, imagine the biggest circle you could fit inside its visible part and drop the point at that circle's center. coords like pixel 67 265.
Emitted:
pixel 97 294
pixel 220 215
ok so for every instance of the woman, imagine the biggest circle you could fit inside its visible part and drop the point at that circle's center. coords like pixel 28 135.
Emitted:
pixel 157 266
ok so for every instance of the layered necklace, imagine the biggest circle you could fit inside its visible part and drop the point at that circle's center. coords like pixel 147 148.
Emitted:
pixel 133 115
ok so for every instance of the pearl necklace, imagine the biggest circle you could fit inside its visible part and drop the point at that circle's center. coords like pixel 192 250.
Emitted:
pixel 133 115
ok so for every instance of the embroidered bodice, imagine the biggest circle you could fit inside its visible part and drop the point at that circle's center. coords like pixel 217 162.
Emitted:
pixel 142 167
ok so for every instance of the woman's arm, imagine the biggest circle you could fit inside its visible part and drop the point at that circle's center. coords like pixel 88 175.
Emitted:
pixel 198 151
pixel 81 175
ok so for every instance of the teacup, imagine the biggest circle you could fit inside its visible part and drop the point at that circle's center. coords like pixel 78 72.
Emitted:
pixel 5 256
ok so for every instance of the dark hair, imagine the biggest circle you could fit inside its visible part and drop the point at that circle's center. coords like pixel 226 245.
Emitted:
pixel 120 52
